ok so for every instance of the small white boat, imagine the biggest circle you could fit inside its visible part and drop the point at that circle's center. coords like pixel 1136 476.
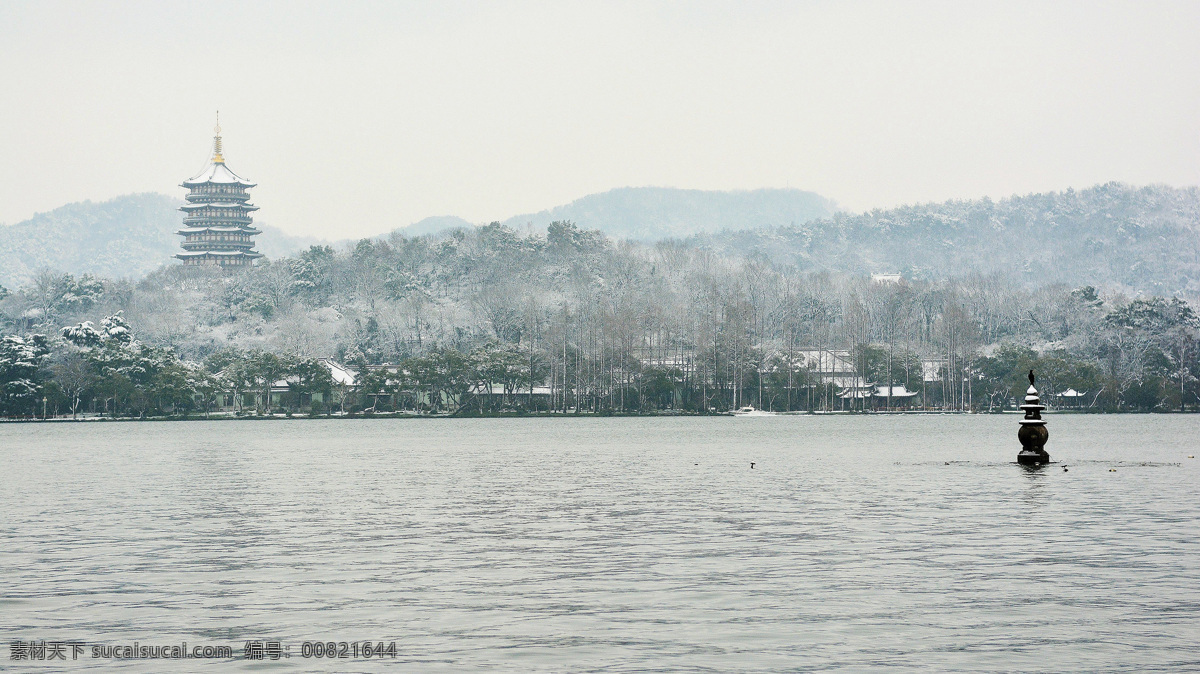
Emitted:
pixel 749 411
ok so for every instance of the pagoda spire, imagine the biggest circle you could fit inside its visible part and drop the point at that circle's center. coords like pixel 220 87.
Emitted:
pixel 217 157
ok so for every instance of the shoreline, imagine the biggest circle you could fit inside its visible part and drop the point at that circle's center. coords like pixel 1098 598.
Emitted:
pixel 548 415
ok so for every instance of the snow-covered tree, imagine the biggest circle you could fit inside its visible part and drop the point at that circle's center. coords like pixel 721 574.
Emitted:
pixel 74 375
pixel 116 328
pixel 20 382
pixel 82 335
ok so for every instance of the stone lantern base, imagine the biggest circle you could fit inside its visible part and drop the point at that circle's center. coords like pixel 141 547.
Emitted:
pixel 1029 457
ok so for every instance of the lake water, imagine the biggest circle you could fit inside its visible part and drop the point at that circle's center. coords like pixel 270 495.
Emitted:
pixel 906 542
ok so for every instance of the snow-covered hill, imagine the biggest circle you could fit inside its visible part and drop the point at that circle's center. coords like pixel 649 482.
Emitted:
pixel 125 237
pixel 652 213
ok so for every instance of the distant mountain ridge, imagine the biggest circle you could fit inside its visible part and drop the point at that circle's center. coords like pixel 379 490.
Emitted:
pixel 652 213
pixel 1143 239
pixel 435 224
pixel 125 237
pixel 1116 236
pixel 130 236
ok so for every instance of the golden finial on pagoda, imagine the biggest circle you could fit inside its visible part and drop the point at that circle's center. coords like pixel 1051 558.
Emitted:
pixel 217 158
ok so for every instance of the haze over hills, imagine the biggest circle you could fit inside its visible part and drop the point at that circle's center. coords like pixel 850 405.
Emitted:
pixel 130 236
pixel 125 237
pixel 1141 239
pixel 433 225
pixel 1137 239
pixel 652 213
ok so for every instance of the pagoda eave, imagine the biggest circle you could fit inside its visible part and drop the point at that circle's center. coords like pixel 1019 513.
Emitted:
pixel 220 230
pixel 223 206
pixel 218 253
pixel 216 173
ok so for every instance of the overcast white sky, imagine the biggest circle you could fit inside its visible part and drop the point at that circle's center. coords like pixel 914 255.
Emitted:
pixel 355 118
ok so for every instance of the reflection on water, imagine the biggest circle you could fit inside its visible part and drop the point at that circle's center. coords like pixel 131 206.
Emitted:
pixel 905 541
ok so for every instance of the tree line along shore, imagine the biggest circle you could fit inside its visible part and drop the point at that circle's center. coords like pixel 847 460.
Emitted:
pixel 495 321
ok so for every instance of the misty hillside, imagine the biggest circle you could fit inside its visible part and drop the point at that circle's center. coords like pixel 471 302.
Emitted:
pixel 128 236
pixel 651 213
pixel 1142 239
pixel 434 225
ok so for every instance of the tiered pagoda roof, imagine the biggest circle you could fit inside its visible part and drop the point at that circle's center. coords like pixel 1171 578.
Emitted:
pixel 217 223
pixel 217 172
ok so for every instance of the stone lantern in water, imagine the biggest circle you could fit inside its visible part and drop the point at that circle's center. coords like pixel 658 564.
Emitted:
pixel 1033 434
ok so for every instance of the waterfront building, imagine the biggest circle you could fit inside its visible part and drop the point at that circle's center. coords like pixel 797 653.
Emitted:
pixel 217 224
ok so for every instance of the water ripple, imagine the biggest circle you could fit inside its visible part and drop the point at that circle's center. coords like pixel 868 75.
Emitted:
pixel 614 544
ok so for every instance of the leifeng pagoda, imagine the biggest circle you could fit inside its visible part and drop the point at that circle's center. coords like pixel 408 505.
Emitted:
pixel 217 229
